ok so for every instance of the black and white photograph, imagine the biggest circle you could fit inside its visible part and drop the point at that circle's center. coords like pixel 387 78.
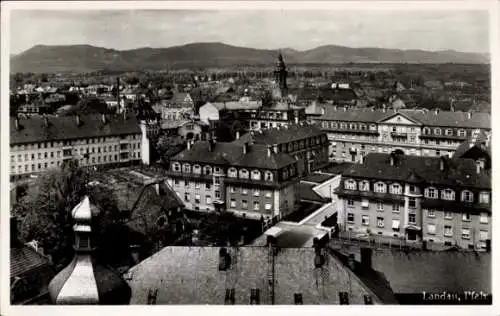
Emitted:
pixel 233 153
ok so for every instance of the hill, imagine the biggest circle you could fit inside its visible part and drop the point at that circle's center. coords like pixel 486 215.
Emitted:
pixel 87 58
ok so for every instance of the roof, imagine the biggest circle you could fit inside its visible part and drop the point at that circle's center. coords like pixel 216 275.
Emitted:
pixel 231 154
pixel 318 178
pixel 308 194
pixel 272 136
pixel 237 105
pixel 457 172
pixel 427 118
pixel 173 124
pixel 25 260
pixel 177 272
pixel 482 143
pixel 33 129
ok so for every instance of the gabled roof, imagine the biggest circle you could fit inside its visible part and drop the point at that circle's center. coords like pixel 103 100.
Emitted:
pixel 458 172
pixel 176 273
pixel 33 129
pixel 231 154
pixel 24 260
pixel 281 135
pixel 391 115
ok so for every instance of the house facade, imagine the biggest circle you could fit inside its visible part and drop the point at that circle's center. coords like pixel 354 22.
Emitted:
pixel 434 199
pixel 354 133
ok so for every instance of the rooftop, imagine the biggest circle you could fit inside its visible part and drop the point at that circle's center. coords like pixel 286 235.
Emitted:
pixel 51 128
pixel 318 177
pixel 281 135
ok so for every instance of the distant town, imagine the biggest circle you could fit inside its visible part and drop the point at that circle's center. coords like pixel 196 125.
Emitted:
pixel 275 184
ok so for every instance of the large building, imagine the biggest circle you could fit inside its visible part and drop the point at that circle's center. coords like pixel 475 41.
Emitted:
pixel 305 143
pixel 40 143
pixel 435 199
pixel 353 133
pixel 241 178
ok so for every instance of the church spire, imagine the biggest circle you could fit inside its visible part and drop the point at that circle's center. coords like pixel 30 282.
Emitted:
pixel 281 74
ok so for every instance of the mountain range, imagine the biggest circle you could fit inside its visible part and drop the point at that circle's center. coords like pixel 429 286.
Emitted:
pixel 87 58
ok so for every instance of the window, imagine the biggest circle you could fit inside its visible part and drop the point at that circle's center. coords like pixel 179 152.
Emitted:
pixel 426 131
pixel 197 199
pixel 395 224
pixel 350 217
pixel 256 206
pixel 467 196
pixel 297 299
pixel 186 168
pixel 208 186
pixel 448 194
pixel 350 184
pixel 208 170
pixel 380 206
pixel 217 194
pixel 208 199
pixel 268 194
pixel 176 166
pixel 437 131
pixel 466 217
pixel 448 231
pixel 350 203
pixel 368 300
pixel 431 229
pixel 244 191
pixel 448 215
pixel 483 235
pixel 413 189
pixel 217 180
pixel 396 188
pixel 232 189
pixel 365 203
pixel 229 298
pixel 483 218
pixel 197 169
pixel 256 192
pixel 364 186
pixel 232 173
pixel 380 187
pixel 465 233
pixel 344 298
pixel 244 204
pixel 412 218
pixel 484 198
pixel 244 173
pixel 461 133
pixel 395 208
pixel 431 213
pixel 269 176
pixel 412 202
pixel 448 132
pixel 186 184
pixel 255 296
pixel 255 175
pixel 197 185
pixel 186 197
pixel 365 220
pixel 431 193
pixel 380 222
pixel 268 206
pixel 233 203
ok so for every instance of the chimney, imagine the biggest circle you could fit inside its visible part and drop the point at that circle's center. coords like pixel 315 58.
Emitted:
pixel 268 151
pixel 46 121
pixel 361 159
pixel 296 117
pixel 124 115
pixel 13 231
pixel 189 144
pixel 469 115
pixel 77 118
pixel 351 262
pixel 245 148
pixel 436 111
pixel 157 188
pixel 479 167
pixel 237 134
pixel 16 122
pixel 366 257
pixel 103 118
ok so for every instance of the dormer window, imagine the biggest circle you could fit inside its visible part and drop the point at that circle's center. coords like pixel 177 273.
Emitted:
pixel 269 176
pixel 467 196
pixel 186 168
pixel 342 125
pixel 396 188
pixel 232 172
pixel 380 187
pixel 431 193
pixel 448 194
pixel 197 169
pixel 484 197
pixel 364 185
pixel 244 173
pixel 426 131
pixel 437 131
pixel 462 133
pixel 207 170
pixel 176 166
pixel 448 132
pixel 350 184
pixel 255 175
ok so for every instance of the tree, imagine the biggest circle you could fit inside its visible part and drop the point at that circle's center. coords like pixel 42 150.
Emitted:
pixel 45 210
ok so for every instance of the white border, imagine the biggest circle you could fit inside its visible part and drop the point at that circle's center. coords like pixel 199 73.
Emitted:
pixel 492 6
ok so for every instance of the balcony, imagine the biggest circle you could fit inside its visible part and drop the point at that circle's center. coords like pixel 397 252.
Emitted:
pixel 194 176
pixel 399 134
pixel 351 131
pixel 369 195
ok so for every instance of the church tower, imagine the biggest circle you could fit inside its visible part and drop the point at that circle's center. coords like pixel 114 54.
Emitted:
pixel 280 75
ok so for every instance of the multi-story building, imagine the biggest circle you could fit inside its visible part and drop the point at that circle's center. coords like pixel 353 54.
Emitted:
pixel 41 143
pixel 277 115
pixel 241 178
pixel 353 133
pixel 434 199
pixel 306 143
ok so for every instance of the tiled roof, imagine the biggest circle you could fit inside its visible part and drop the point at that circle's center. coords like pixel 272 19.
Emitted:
pixel 308 194
pixel 33 129
pixel 481 142
pixel 190 275
pixel 232 154
pixel 281 135
pixel 457 172
pixel 428 118
pixel 237 105
pixel 24 259
pixel 319 178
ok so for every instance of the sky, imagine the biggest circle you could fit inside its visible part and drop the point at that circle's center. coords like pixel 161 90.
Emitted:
pixel 465 31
